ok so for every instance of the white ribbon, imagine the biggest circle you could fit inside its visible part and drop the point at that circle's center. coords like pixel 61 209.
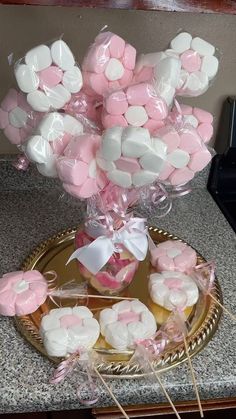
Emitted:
pixel 133 236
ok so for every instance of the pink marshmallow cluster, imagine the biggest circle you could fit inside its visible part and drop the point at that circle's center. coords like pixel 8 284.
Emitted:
pixel 77 168
pixel 173 255
pixel 108 64
pixel 186 154
pixel 22 293
pixel 138 106
pixel 17 118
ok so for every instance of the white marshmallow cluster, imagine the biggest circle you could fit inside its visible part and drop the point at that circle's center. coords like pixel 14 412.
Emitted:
pixel 48 74
pixel 52 136
pixel 67 330
pixel 125 323
pixel 130 157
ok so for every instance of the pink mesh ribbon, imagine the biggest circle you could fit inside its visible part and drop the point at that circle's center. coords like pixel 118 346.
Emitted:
pixel 204 276
pixel 67 366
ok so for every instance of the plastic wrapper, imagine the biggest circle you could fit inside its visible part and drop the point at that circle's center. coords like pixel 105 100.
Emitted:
pixel 187 68
pixel 198 118
pixel 48 74
pixel 49 141
pixel 130 157
pixel 17 119
pixel 108 64
pixel 138 106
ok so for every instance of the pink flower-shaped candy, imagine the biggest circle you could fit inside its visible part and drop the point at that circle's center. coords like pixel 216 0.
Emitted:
pixel 173 255
pixel 22 293
pixel 198 118
pixel 173 289
pixel 78 169
pixel 17 119
pixel 187 154
pixel 109 64
pixel 138 106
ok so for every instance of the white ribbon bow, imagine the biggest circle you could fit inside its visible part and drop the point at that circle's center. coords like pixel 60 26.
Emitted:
pixel 133 236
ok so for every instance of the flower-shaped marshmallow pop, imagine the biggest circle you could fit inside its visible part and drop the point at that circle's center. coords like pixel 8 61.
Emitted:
pixel 48 74
pixel 125 323
pixel 173 255
pixel 17 119
pixel 130 157
pixel 78 169
pixel 52 136
pixel 108 65
pixel 138 105
pixel 173 290
pixel 22 292
pixel 67 330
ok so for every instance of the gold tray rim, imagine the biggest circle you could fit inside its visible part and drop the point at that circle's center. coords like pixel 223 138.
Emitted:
pixel 122 369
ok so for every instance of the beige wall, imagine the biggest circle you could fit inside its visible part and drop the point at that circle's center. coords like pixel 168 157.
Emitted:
pixel 22 27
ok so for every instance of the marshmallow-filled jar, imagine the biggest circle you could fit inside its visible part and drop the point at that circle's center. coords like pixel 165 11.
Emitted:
pixel 115 276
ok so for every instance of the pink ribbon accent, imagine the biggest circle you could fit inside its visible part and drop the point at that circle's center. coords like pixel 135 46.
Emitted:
pixel 156 344
pixel 176 116
pixel 175 326
pixel 204 276
pixel 21 163
pixel 67 366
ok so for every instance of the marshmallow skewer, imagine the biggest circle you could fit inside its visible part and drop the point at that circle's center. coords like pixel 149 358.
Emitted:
pixel 232 316
pixel 111 393
pixel 163 389
pixel 193 377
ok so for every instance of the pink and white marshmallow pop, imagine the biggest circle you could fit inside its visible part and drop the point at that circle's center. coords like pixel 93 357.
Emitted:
pixel 17 118
pixel 186 154
pixel 49 141
pixel 198 118
pixel 130 157
pixel 173 289
pixel 22 293
pixel 138 105
pixel 108 65
pixel 49 75
pixel 173 255
pixel 78 169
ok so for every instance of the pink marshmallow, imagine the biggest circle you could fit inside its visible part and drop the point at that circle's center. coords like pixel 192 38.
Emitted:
pixel 205 131
pixel 50 77
pixel 127 164
pixel 156 109
pixel 190 141
pixel 191 61
pixel 116 46
pixel 128 317
pixel 116 103
pixel 70 320
pixel 129 57
pixel 10 100
pixel 203 116
pixel 110 121
pixel 181 176
pixel 170 136
pixel 139 94
pixel 199 160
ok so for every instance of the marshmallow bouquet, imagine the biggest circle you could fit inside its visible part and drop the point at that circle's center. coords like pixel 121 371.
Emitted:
pixel 109 130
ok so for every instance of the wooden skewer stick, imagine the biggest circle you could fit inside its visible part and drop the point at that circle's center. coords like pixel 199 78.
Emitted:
pixel 111 393
pixel 164 390
pixel 108 297
pixel 193 377
pixel 223 307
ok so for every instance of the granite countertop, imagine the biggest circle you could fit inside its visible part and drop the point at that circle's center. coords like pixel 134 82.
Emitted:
pixel 33 209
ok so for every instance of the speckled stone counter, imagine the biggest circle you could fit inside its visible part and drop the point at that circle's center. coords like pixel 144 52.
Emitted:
pixel 31 210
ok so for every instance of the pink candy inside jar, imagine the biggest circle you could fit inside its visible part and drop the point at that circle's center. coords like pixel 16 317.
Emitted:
pixel 115 276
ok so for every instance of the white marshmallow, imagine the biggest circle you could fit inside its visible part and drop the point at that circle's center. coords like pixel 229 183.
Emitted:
pixel 210 65
pixel 178 158
pixel 51 127
pixel 39 58
pixel 168 71
pixel 58 96
pixel 62 55
pixel 48 168
pixel 83 312
pixel 72 126
pixel 202 47
pixel 135 141
pixel 143 177
pixel 38 101
pixel 160 147
pixel 149 60
pixel 181 42
pixel 196 83
pixel 186 295
pixel 182 78
pixel 120 178
pixel 114 70
pixel 190 119
pixel 152 162
pixel 38 149
pixel 105 164
pixel 136 116
pixel 111 143
pixel 72 80
pixel 26 78
pixel 17 117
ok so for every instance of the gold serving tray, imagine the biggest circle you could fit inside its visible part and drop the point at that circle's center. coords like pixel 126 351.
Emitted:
pixel 53 255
